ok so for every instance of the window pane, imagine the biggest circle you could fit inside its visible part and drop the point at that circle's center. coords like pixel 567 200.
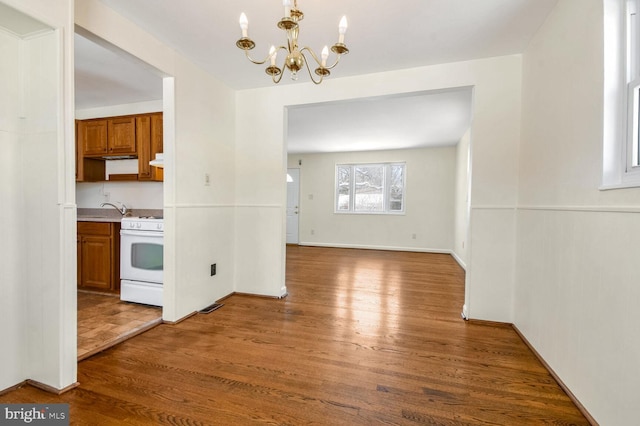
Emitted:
pixel 369 188
pixel 396 187
pixel 344 187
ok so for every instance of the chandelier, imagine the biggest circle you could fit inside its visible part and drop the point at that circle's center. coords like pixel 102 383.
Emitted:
pixel 297 57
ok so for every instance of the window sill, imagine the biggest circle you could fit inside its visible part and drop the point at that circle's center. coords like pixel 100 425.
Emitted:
pixel 372 213
pixel 622 185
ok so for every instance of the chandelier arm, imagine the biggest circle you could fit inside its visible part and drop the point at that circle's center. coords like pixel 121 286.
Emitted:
pixel 312 53
pixel 306 64
pixel 277 80
pixel 308 49
pixel 246 52
pixel 335 63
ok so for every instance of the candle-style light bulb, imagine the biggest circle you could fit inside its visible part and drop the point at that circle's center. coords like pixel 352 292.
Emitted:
pixel 274 55
pixel 244 24
pixel 342 28
pixel 287 8
pixel 325 55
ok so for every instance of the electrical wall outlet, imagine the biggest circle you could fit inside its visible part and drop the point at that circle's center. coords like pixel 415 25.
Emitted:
pixel 213 269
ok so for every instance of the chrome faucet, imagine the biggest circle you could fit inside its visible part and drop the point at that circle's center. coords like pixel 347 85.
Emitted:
pixel 124 211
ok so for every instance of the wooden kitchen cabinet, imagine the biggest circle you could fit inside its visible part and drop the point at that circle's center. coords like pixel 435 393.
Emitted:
pixel 131 136
pixel 149 138
pixel 92 137
pixel 87 169
pixel 157 137
pixel 99 256
pixel 107 137
pixel 121 136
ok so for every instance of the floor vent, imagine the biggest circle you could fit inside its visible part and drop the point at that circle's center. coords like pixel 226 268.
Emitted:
pixel 211 308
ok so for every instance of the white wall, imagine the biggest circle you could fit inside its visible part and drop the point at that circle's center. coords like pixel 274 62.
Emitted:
pixel 461 222
pixel 38 148
pixel 261 166
pixel 135 195
pixel 577 257
pixel 199 138
pixel 12 260
pixel 429 202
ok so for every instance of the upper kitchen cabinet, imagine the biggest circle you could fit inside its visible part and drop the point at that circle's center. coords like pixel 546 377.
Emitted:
pixel 149 140
pixel 92 137
pixel 121 136
pixel 114 136
pixel 87 169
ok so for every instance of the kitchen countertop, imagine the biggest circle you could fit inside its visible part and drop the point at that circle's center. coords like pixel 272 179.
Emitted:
pixel 112 215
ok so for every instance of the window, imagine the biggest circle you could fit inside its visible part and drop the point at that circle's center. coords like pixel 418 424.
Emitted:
pixel 370 188
pixel 633 84
pixel 621 153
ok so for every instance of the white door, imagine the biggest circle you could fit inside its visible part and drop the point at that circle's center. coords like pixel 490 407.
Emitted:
pixel 293 200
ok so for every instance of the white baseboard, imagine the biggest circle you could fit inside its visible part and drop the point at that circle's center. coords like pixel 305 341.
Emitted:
pixel 375 247
pixel 459 260
pixel 465 312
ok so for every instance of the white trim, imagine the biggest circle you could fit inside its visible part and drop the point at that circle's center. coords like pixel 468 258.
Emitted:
pixel 459 260
pixel 465 312
pixel 587 209
pixel 625 185
pixel 207 206
pixel 265 206
pixel 375 247
pixel 489 207
pixel 200 206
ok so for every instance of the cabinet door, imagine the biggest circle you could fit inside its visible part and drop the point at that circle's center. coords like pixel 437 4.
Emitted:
pixel 92 136
pixel 156 144
pixel 143 139
pixel 122 136
pixel 149 139
pixel 95 268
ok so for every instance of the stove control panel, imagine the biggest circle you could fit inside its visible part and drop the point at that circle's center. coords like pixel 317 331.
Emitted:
pixel 142 224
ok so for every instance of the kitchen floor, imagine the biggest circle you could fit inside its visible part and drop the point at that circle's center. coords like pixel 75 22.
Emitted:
pixel 104 321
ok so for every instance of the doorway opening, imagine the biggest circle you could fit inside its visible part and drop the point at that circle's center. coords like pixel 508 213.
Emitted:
pixel 429 131
pixel 116 88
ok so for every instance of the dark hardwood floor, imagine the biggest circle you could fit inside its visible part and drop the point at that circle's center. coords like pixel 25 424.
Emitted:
pixel 364 337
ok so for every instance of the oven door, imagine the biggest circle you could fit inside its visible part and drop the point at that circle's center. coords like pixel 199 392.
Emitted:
pixel 141 256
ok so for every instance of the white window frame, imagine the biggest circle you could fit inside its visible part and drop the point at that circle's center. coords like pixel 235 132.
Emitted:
pixel 621 142
pixel 386 192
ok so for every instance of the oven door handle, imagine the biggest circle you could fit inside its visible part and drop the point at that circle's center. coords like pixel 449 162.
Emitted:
pixel 141 233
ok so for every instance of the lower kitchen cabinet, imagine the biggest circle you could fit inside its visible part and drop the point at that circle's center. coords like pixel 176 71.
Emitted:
pixel 99 256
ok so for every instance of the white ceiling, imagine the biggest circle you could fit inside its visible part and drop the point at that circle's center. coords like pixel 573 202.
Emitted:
pixel 382 36
pixel 391 122
pixel 105 78
pixel 19 24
